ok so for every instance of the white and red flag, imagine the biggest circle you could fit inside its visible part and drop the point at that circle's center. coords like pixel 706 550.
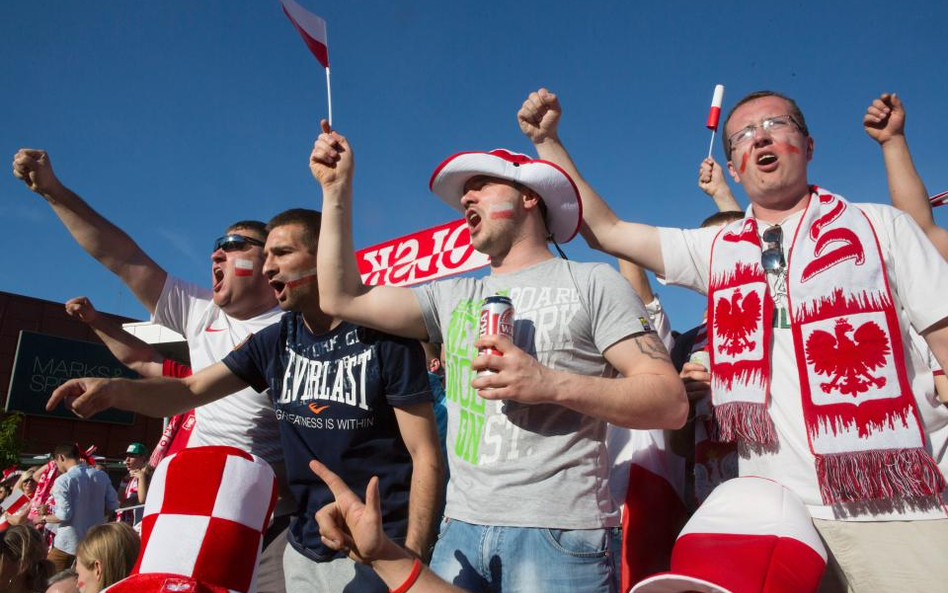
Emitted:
pixel 313 31
pixel 714 115
pixel 647 479
pixel 311 28
pixel 427 255
pixel 939 199
pixel 12 505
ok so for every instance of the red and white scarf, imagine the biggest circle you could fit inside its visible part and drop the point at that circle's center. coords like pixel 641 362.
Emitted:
pixel 861 420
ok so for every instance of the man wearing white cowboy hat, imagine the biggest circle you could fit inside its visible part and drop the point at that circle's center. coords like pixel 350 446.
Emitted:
pixel 810 303
pixel 528 505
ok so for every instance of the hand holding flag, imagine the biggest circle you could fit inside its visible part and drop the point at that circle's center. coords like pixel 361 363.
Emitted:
pixel 331 161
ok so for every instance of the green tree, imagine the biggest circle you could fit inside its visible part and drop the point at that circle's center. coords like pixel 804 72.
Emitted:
pixel 10 443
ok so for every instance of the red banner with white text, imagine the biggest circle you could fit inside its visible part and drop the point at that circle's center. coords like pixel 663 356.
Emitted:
pixel 427 255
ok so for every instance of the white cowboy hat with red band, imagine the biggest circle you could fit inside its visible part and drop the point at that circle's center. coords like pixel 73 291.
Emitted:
pixel 564 209
pixel 751 535
pixel 202 532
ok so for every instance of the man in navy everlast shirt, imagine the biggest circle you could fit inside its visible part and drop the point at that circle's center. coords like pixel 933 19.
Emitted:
pixel 354 398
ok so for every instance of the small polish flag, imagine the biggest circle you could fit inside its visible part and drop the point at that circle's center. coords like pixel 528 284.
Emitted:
pixel 311 28
pixel 243 267
pixel 14 503
pixel 939 199
pixel 715 114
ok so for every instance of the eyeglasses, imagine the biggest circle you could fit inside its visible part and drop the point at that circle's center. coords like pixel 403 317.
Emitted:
pixel 771 258
pixel 235 242
pixel 772 125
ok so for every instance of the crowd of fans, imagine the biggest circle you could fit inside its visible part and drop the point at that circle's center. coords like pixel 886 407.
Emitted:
pixel 65 531
pixel 504 471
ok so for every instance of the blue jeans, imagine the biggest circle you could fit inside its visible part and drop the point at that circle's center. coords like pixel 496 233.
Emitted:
pixel 494 559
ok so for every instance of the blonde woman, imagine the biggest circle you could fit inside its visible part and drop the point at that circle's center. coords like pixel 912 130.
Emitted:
pixel 106 555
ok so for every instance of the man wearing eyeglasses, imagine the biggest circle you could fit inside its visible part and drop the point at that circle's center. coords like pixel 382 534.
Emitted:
pixel 214 322
pixel 810 303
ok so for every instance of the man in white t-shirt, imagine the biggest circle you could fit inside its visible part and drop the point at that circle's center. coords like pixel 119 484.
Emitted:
pixel 879 540
pixel 214 322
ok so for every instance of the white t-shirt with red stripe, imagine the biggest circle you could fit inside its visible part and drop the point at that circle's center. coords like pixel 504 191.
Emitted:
pixel 918 277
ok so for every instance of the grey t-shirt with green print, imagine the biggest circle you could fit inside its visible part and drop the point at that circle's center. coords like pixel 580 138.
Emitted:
pixel 542 465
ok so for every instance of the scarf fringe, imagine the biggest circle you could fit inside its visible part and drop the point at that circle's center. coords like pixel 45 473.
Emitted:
pixel 878 474
pixel 743 420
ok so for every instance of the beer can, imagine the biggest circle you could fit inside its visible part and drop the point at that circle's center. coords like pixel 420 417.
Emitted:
pixel 497 319
pixel 701 357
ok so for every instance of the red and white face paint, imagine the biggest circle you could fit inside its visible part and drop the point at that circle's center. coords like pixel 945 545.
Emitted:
pixel 243 267
pixel 304 277
pixel 504 210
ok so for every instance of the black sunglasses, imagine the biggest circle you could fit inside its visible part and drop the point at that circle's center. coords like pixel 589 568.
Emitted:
pixel 235 242
pixel 771 258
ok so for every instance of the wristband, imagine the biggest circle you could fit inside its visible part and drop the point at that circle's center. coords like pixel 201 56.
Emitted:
pixel 412 577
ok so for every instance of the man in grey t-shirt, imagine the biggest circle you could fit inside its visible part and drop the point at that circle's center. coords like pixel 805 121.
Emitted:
pixel 528 505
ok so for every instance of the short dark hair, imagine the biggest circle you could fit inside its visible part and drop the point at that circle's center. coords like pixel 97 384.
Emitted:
pixel 67 450
pixel 794 111
pixel 310 220
pixel 249 225
pixel 722 218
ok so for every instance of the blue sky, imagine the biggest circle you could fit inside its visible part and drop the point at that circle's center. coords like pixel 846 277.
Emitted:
pixel 174 118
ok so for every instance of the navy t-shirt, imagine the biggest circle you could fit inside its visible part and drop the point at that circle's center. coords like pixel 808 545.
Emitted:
pixel 333 395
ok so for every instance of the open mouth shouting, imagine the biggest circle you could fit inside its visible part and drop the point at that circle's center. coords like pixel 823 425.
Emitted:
pixel 218 274
pixel 473 220
pixel 766 161
pixel 279 287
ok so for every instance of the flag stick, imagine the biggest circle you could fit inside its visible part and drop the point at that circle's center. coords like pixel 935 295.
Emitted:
pixel 329 95
pixel 711 146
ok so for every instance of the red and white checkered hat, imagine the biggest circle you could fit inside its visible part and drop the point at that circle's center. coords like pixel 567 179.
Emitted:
pixel 205 516
pixel 564 209
pixel 751 535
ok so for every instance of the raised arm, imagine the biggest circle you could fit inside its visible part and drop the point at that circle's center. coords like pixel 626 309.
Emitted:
pixel 341 291
pixel 637 279
pixel 416 423
pixel 538 117
pixel 157 397
pixel 128 349
pixel 100 238
pixel 884 121
pixel 712 182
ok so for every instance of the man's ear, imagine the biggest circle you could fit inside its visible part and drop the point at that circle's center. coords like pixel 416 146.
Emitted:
pixel 529 198
pixel 809 148
pixel 97 570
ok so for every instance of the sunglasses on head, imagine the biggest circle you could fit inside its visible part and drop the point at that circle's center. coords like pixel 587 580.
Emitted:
pixel 235 242
pixel 771 258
